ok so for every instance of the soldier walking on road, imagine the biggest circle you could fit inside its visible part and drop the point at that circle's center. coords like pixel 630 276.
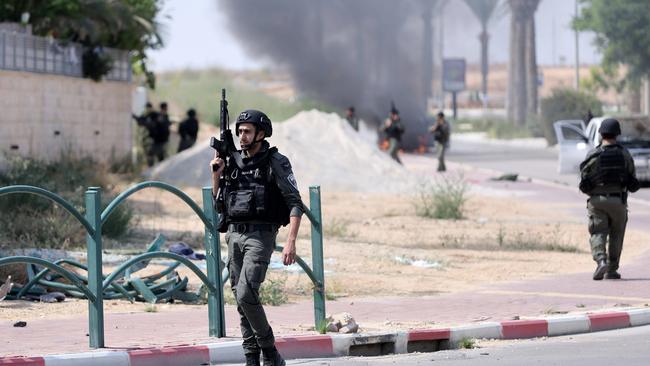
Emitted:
pixel 260 195
pixel 441 132
pixel 393 129
pixel 607 175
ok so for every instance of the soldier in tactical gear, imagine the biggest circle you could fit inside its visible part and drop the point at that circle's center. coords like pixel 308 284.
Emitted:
pixel 260 195
pixel 393 129
pixel 441 132
pixel 351 117
pixel 607 175
pixel 188 130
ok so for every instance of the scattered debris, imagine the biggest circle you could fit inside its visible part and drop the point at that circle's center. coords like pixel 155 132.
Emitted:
pixel 511 177
pixel 5 288
pixel 481 318
pixel 422 263
pixel 52 297
pixel 183 249
pixel 342 323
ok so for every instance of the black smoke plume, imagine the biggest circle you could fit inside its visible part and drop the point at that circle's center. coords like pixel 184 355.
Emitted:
pixel 347 52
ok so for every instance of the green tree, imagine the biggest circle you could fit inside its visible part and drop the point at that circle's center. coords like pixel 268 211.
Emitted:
pixel 622 30
pixel 123 24
pixel 622 34
pixel 567 103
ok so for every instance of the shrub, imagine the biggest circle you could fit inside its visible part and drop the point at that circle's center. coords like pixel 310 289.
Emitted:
pixel 30 220
pixel 95 63
pixel 338 228
pixel 467 343
pixel 495 127
pixel 445 199
pixel 118 223
pixel 272 292
pixel 322 326
pixel 566 104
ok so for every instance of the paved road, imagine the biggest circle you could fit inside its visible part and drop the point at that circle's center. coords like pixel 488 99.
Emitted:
pixel 528 158
pixel 630 347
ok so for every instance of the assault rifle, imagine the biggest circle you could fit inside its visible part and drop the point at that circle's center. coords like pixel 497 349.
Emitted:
pixel 225 147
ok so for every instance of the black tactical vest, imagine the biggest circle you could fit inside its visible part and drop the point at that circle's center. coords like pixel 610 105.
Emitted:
pixel 610 168
pixel 252 195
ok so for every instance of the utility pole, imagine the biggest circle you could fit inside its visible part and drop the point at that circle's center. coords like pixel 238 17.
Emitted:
pixel 441 47
pixel 577 50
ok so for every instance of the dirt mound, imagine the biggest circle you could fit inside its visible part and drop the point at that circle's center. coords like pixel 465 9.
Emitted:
pixel 323 149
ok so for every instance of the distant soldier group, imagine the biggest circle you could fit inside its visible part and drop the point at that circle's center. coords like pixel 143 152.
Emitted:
pixel 157 125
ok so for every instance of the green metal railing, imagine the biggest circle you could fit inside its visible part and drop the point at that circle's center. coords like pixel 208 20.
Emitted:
pixel 95 285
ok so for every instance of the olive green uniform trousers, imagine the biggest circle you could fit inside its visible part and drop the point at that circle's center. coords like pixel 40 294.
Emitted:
pixel 607 220
pixel 249 254
pixel 441 149
pixel 393 149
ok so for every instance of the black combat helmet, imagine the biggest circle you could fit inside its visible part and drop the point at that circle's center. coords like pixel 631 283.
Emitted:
pixel 610 126
pixel 257 118
pixel 393 109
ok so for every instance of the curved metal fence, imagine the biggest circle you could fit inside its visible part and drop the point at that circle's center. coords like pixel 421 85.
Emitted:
pixel 95 286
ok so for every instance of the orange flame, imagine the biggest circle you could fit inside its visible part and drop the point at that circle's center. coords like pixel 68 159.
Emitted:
pixel 384 145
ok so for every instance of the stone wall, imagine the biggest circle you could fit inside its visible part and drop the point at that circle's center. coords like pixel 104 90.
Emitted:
pixel 44 115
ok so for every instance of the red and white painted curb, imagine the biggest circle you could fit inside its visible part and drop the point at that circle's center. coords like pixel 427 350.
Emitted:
pixel 350 344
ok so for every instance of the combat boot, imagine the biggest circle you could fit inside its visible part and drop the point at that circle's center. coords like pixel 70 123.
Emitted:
pixel 272 357
pixel 252 359
pixel 601 268
pixel 613 275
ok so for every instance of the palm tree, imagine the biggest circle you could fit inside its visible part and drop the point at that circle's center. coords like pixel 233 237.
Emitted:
pixel 531 59
pixel 522 43
pixel 427 49
pixel 483 10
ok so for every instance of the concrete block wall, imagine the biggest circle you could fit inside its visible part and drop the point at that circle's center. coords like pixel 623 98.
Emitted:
pixel 43 115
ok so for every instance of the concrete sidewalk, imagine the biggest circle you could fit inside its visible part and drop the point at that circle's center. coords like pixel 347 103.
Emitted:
pixel 502 302
pixel 495 303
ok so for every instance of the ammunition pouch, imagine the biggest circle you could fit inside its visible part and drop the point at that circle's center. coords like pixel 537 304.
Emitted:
pixel 241 204
pixel 586 185
pixel 247 204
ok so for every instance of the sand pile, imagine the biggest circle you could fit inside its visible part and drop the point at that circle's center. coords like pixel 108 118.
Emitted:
pixel 323 149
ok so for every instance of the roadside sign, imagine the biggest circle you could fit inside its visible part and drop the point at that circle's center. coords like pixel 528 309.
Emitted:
pixel 453 73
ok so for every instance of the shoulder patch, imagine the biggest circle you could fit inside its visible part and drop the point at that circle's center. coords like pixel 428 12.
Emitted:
pixel 292 180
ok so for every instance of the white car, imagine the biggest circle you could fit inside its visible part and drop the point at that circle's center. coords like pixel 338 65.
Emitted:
pixel 575 140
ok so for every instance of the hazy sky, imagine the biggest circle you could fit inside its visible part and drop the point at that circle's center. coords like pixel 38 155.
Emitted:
pixel 197 36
